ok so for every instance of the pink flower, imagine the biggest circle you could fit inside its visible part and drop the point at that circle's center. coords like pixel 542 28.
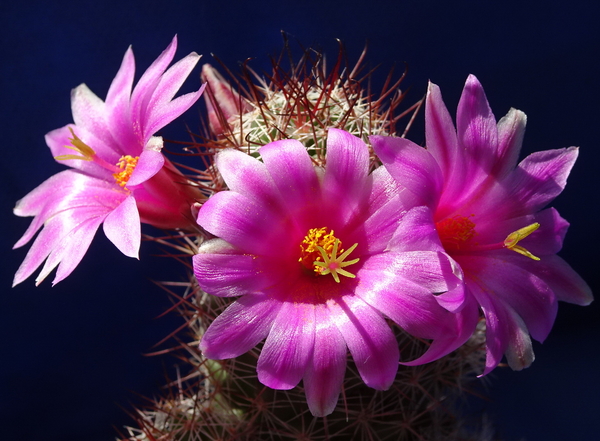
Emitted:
pixel 120 177
pixel 319 258
pixel 490 216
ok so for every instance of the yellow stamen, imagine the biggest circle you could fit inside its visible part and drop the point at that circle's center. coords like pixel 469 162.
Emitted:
pixel 333 265
pixel 318 253
pixel 513 239
pixel 127 165
pixel 79 146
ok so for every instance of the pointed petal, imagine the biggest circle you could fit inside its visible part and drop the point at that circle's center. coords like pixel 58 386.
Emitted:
pixel 90 112
pixel 511 129
pixel 70 252
pixel 464 321
pixel 325 371
pixel 413 167
pixel 142 93
pixel 477 130
pixel 248 176
pixel 567 285
pixel 240 327
pixel 117 103
pixel 122 227
pixel 288 347
pixel 519 353
pixel 163 115
pixel 504 277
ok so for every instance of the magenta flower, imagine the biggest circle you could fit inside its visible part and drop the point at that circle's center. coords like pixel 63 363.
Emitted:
pixel 490 216
pixel 319 258
pixel 120 177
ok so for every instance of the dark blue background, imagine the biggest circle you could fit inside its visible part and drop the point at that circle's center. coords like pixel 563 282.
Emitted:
pixel 72 354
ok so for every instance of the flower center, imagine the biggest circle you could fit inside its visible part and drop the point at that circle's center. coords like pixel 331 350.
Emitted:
pixel 454 232
pixel 319 254
pixel 457 231
pixel 121 171
pixel 127 165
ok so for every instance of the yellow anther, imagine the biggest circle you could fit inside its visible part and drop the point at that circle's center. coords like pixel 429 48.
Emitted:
pixel 87 153
pixel 127 165
pixel 318 253
pixel 513 239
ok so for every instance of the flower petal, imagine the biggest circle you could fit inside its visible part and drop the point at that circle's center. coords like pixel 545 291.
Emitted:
pixel 246 224
pixel 401 286
pixel 505 278
pixel 292 171
pixel 289 346
pixel 370 340
pixel 477 131
pixel 122 227
pixel 324 375
pixel 247 175
pixel 346 172
pixel 412 167
pixel 511 129
pixel 240 327
pixel 117 104
pixel 222 271
pixel 149 163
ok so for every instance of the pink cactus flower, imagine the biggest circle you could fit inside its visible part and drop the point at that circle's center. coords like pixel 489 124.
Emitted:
pixel 319 258
pixel 489 214
pixel 119 176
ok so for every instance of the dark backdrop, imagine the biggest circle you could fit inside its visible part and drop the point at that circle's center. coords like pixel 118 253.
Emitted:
pixel 73 354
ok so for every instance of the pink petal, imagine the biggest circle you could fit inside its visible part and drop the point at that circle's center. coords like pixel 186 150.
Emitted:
pixel 567 285
pixel 246 224
pixel 240 327
pixel 84 206
pixel 122 227
pixel 163 115
pixel 477 131
pixel 70 252
pixel 346 172
pixel 149 163
pixel 248 176
pixel 324 375
pixel 162 109
pixel 540 177
pixel 401 286
pixel 90 112
pixel 292 171
pixel 289 346
pixel 511 129
pixel 504 277
pixel 370 340
pixel 412 167
pixel 117 106
pixel 142 93
pixel 416 231
pixel 442 143
pixel 222 271
pixel 465 322
pixel 497 322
